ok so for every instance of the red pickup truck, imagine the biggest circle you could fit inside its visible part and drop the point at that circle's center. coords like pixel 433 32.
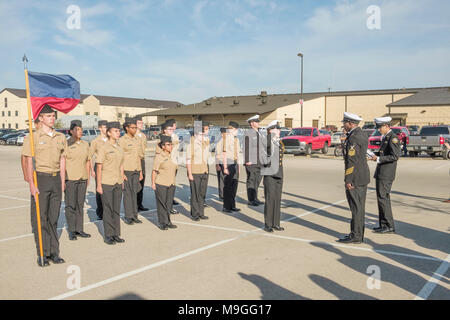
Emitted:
pixel 306 140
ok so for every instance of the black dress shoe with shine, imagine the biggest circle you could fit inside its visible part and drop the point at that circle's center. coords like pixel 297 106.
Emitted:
pixel 204 217
pixel 235 209
pixel 118 240
pixel 227 210
pixel 253 203
pixel 386 230
pixel 171 226
pixel 268 229
pixel 43 263
pixel 136 220
pixel 142 209
pixel 83 234
pixel 196 218
pixel 56 259
pixel 278 228
pixel 128 221
pixel 173 211
pixel 175 203
pixel 349 239
pixel 259 202
pixel 163 227
pixel 110 241
pixel 72 236
pixel 377 229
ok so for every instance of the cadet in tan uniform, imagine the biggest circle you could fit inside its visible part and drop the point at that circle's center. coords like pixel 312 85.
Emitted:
pixel 23 159
pixel 143 139
pixel 78 168
pixel 167 129
pixel 227 153
pixel 133 154
pixel 50 171
pixel 198 171
pixel 163 182
pixel 219 167
pixel 96 144
pixel 110 178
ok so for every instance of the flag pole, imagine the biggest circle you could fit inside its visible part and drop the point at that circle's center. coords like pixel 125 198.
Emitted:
pixel 36 197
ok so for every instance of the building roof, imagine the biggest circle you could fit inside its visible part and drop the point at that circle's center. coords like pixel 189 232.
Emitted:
pixel 426 97
pixel 113 101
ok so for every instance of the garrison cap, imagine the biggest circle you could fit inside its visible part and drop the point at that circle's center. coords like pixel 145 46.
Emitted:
pixel 130 120
pixel 75 123
pixel 171 122
pixel 382 121
pixel 223 130
pixel 113 124
pixel 102 123
pixel 234 124
pixel 254 118
pixel 164 139
pixel 351 117
pixel 165 125
pixel 46 109
pixel 274 124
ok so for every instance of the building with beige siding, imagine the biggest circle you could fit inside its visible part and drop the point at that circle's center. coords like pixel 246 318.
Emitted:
pixel 13 108
pixel 419 106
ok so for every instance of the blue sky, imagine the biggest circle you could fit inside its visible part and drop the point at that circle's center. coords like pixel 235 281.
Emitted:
pixel 191 50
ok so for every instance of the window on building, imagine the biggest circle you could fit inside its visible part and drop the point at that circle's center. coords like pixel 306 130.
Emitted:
pixel 9 125
pixel 6 102
pixel 17 126
pixel 127 115
pixel 3 113
pixel 17 113
pixel 3 126
pixel 120 115
pixel 95 113
pixel 88 113
pixel 9 113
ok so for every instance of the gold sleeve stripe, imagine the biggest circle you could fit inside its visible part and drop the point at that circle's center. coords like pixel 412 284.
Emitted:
pixel 349 171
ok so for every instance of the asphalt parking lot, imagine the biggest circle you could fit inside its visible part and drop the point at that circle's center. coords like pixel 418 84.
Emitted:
pixel 229 256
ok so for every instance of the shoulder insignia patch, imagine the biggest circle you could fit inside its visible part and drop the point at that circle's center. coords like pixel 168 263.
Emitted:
pixel 352 151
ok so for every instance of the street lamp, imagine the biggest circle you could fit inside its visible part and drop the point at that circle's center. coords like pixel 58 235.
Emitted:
pixel 301 90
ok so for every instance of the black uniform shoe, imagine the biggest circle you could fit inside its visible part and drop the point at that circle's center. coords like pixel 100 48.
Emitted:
pixel 196 219
pixel 72 236
pixel 386 230
pixel 141 208
pixel 128 221
pixel 253 203
pixel 173 211
pixel 171 226
pixel 227 210
pixel 56 259
pixel 349 239
pixel 268 229
pixel 99 217
pixel 118 240
pixel 377 229
pixel 136 220
pixel 175 203
pixel 83 234
pixel 204 217
pixel 163 227
pixel 259 202
pixel 235 209
pixel 110 241
pixel 278 228
pixel 42 263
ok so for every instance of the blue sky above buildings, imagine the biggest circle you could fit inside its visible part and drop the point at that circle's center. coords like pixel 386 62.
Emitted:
pixel 190 50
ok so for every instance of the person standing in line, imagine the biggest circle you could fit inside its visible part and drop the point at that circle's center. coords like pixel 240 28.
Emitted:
pixel 96 145
pixel 110 177
pixel 49 146
pixel 143 140
pixel 78 168
pixel 357 176
pixel 390 152
pixel 23 159
pixel 133 154
pixel 163 182
pixel 252 164
pixel 175 151
pixel 219 165
pixel 198 171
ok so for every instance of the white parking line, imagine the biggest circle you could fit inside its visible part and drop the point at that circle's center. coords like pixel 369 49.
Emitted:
pixel 443 166
pixel 434 280
pixel 14 198
pixel 16 207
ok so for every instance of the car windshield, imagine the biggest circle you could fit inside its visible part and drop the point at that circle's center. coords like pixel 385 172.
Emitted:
pixel 300 132
pixel 397 130
pixel 434 131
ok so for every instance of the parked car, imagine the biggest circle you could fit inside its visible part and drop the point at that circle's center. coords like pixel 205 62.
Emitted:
pixel 325 132
pixel 153 132
pixel 13 139
pixel 430 140
pixel 306 140
pixel 375 139
pixel 369 125
pixel 284 132
pixel 20 139
pixel 89 135
pixel 184 136
pixel 336 138
pixel 368 132
pixel 414 130
pixel 6 131
pixel 5 137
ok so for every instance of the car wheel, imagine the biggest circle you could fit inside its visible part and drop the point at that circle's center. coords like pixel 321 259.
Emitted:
pixel 308 150
pixel 325 148
pixel 2 142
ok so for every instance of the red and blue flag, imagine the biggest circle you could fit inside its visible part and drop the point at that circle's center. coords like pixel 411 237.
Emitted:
pixel 61 92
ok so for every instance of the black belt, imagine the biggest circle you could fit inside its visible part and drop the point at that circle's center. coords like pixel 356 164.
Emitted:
pixel 45 174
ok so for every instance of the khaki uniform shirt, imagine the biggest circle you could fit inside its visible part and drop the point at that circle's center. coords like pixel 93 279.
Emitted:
pixel 48 150
pixel 77 155
pixel 230 146
pixel 165 169
pixel 143 141
pixel 96 145
pixel 132 151
pixel 175 142
pixel 111 158
pixel 197 155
